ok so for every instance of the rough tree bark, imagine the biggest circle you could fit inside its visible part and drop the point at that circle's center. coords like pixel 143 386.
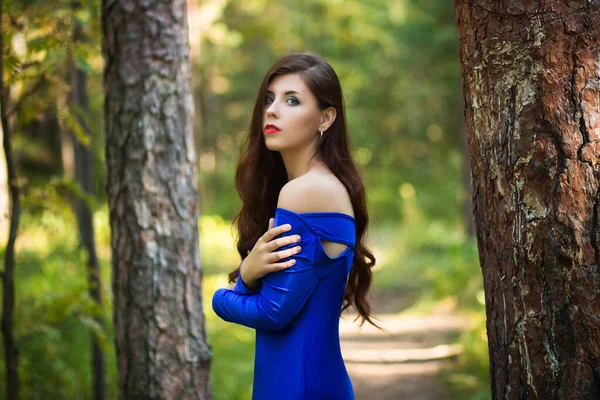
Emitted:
pixel 531 87
pixel 466 181
pixel 162 347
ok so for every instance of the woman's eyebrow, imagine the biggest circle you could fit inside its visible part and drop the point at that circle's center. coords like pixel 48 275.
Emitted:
pixel 288 92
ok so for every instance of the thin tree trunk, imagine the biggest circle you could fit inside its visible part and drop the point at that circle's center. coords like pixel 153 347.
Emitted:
pixel 531 93
pixel 84 177
pixel 161 344
pixel 11 355
pixel 67 154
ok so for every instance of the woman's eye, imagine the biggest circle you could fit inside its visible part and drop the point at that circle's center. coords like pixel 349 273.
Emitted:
pixel 291 98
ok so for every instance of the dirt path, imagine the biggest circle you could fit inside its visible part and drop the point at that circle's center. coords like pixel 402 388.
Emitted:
pixel 402 363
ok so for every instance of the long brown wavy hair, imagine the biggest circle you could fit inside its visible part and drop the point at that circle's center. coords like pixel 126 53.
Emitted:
pixel 260 173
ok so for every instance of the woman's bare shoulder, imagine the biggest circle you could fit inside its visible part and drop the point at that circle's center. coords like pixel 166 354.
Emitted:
pixel 315 192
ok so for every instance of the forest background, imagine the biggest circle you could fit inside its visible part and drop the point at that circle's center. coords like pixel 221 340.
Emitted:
pixel 398 64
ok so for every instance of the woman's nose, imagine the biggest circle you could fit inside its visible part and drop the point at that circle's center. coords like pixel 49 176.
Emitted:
pixel 272 109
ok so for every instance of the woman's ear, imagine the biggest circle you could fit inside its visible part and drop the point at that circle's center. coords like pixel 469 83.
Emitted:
pixel 327 118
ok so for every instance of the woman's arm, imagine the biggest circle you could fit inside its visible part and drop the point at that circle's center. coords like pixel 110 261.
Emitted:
pixel 241 287
pixel 281 296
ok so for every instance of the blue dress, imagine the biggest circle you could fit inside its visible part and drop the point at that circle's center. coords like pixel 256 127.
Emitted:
pixel 296 313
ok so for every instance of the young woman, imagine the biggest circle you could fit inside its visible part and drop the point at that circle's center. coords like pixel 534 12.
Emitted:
pixel 310 264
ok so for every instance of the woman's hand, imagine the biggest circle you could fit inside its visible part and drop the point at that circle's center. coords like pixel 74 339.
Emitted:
pixel 263 258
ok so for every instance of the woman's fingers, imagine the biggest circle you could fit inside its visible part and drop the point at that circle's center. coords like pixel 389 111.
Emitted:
pixel 277 243
pixel 281 265
pixel 271 233
pixel 269 245
pixel 280 255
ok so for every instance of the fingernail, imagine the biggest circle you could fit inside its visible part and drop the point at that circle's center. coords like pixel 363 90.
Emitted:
pixel 288 227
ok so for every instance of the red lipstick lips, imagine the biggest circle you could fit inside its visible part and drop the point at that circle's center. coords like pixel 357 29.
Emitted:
pixel 271 129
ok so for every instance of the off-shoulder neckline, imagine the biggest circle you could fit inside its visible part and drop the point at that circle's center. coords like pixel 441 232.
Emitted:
pixel 319 213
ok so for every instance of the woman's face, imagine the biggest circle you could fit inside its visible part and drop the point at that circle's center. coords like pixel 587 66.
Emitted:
pixel 292 108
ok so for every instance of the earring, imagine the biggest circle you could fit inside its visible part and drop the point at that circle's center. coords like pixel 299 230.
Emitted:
pixel 321 134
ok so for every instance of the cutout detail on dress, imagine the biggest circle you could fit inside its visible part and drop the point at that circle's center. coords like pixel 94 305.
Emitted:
pixel 333 249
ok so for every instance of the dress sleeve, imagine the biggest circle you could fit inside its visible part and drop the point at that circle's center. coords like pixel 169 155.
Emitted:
pixel 281 296
pixel 240 286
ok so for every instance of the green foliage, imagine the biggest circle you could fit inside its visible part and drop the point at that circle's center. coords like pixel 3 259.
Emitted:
pixel 470 379
pixel 232 348
pixel 398 65
pixel 39 43
pixel 434 256
pixel 217 250
pixel 54 313
pixel 439 261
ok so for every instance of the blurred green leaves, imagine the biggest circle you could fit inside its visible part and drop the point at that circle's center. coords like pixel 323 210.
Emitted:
pixel 398 64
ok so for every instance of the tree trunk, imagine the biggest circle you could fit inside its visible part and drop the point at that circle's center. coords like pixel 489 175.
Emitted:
pixel 11 354
pixel 161 344
pixel 466 181
pixel 531 92
pixel 84 177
